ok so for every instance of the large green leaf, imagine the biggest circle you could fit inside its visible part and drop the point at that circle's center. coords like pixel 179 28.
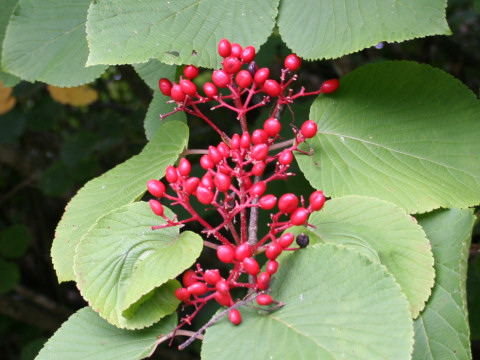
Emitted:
pixel 86 336
pixel 117 187
pixel 385 233
pixel 332 28
pixel 46 41
pixel 154 70
pixel 121 261
pixel 399 131
pixel 338 305
pixel 441 331
pixel 7 7
pixel 176 32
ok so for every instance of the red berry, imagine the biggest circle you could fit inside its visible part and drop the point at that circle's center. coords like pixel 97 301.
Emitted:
pixel 156 207
pixel 182 294
pixel 259 136
pixel 236 50
pixel 286 240
pixel 214 154
pixel 245 140
pixel 243 79
pixel 171 174
pixel 235 317
pixel 264 299
pixel 212 276
pixel 198 288
pixel 221 78
pixel 191 185
pixel 205 195
pixel 206 163
pixel 224 149
pixel 184 167
pixel 235 142
pixel 309 129
pixel 288 203
pixel 165 86
pixel 224 48
pixel 210 90
pixel 273 250
pixel 223 299
pixel 188 87
pixel 330 86
pixel 285 157
pixel 267 202
pixel 177 93
pixel 259 152
pixel 248 54
pixel 258 189
pixel 251 266
pixel 272 267
pixel 222 287
pixel 271 88
pixel 292 62
pixel 190 71
pixel 156 188
pixel 189 278
pixel 226 254
pixel 261 75
pixel 299 216
pixel 222 182
pixel 258 168
pixel 263 280
pixel 317 200
pixel 232 65
pixel 207 181
pixel 247 183
pixel 243 251
pixel 272 127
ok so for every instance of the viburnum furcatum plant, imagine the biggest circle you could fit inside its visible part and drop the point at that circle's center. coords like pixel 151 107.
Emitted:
pixel 237 172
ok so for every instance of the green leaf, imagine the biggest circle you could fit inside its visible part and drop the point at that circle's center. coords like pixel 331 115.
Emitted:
pixel 117 187
pixel 86 336
pixel 441 331
pixel 330 28
pixel 6 79
pixel 385 233
pixel 46 41
pixel 154 70
pixel 10 275
pixel 399 131
pixel 14 241
pixel 175 32
pixel 121 260
pixel 158 106
pixel 338 305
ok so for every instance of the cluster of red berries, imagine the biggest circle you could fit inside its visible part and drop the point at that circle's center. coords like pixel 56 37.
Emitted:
pixel 236 178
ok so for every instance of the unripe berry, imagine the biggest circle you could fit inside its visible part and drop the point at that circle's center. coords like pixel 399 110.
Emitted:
pixel 221 78
pixel 288 203
pixel 210 90
pixel 271 88
pixel 286 240
pixel 184 167
pixel 206 163
pixel 299 216
pixel 272 267
pixel 258 168
pixel 182 294
pixel 243 251
pixel 191 185
pixel 261 75
pixel 214 154
pixel 251 266
pixel 272 127
pixel 224 48
pixel 263 280
pixel 223 299
pixel 259 136
pixel 177 93
pixel 302 240
pixel 330 86
pixel 205 195
pixel 212 276
pixel 264 299
pixel 248 54
pixel 188 87
pixel 156 188
pixel 190 71
pixel 243 79
pixel 171 174
pixel 245 140
pixel 258 189
pixel 273 250
pixel 222 182
pixel 226 254
pixel 267 202
pixel 222 286
pixel 317 200
pixel 235 142
pixel 285 157
pixel 232 65
pixel 236 50
pixel 198 288
pixel 165 86
pixel 156 207
pixel 189 278
pixel 292 62
pixel 309 129
pixel 235 317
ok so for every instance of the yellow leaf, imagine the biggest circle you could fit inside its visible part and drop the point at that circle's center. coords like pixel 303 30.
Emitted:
pixel 7 102
pixel 75 96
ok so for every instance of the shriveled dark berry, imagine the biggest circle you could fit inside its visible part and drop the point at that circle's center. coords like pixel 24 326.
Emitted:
pixel 302 240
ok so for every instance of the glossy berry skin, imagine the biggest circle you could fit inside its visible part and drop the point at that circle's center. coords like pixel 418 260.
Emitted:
pixel 171 174
pixel 243 251
pixel 285 157
pixel 272 127
pixel 212 276
pixel 264 299
pixel 156 188
pixel 259 136
pixel 273 250
pixel 188 87
pixel 214 154
pixel 221 78
pixel 288 203
pixel 261 75
pixel 165 86
pixel 243 79
pixel 156 207
pixel 251 266
pixel 258 189
pixel 224 48
pixel 232 65
pixel 226 254
pixel 235 317
pixel 267 202
pixel 190 71
pixel 222 287
pixel 245 140
pixel 309 129
pixel 224 149
pixel 236 50
pixel 258 168
pixel 177 93
pixel 205 195
pixel 206 163
pixel 222 182
pixel 210 90
pixel 248 54
pixel 223 299
pixel 207 181
pixel 182 294
pixel 191 185
pixel 317 200
pixel 272 267
pixel 299 216
pixel 252 68
pixel 286 240
pixel 263 280
pixel 271 88
pixel 302 240
pixel 235 142
pixel 184 167
pixel 189 278
pixel 198 288
pixel 330 86
pixel 292 62
pixel 259 152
